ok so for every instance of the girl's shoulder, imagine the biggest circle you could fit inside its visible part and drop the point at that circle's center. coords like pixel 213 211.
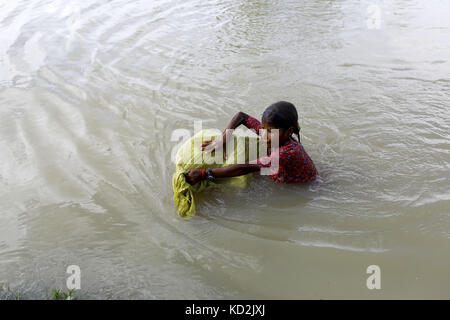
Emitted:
pixel 290 151
pixel 291 145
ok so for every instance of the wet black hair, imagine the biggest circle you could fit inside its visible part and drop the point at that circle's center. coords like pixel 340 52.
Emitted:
pixel 282 115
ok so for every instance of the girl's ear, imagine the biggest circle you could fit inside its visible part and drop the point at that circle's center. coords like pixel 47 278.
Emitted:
pixel 290 131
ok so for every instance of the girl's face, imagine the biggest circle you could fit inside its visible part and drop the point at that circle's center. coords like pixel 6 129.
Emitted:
pixel 266 135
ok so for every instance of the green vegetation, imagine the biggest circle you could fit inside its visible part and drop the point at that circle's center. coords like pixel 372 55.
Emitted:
pixel 56 294
pixel 61 295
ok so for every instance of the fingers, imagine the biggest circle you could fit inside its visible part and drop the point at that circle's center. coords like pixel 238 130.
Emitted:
pixel 186 176
pixel 205 144
pixel 209 147
pixel 190 177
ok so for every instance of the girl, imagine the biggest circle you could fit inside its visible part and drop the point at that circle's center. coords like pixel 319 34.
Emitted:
pixel 294 163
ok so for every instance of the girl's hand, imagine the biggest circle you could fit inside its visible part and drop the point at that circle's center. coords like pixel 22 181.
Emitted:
pixel 211 145
pixel 238 119
pixel 193 176
pixel 214 145
pixel 206 143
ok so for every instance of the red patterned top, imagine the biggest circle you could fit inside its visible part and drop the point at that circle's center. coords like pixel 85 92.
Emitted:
pixel 294 164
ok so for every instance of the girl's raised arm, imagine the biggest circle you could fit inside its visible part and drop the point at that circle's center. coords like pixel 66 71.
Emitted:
pixel 238 119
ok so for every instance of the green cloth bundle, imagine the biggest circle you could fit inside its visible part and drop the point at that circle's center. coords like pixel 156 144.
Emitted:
pixel 190 156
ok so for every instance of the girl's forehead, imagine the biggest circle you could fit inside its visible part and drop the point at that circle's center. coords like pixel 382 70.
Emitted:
pixel 265 125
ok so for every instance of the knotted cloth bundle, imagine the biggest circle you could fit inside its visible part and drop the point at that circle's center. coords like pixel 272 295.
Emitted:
pixel 190 156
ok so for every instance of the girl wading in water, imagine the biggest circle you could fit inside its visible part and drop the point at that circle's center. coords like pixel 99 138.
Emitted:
pixel 294 164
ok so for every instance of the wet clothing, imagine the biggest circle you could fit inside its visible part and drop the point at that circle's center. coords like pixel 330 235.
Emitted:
pixel 294 164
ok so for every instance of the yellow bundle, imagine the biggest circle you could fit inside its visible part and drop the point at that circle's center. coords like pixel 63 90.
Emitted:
pixel 190 156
